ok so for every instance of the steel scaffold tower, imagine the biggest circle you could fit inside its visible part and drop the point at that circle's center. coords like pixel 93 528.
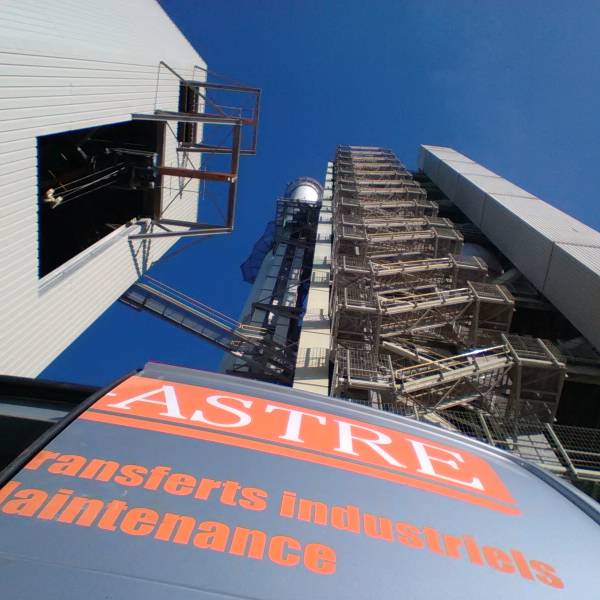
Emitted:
pixel 415 326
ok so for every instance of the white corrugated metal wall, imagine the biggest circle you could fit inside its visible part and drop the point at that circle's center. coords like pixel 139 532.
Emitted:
pixel 67 65
pixel 557 253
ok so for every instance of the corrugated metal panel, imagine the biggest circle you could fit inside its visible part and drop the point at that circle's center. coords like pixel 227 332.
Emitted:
pixel 445 153
pixel 588 256
pixel 130 32
pixel 549 221
pixel 573 286
pixel 527 248
pixel 469 168
pixel 446 179
pixel 59 314
pixel 496 185
pixel 470 199
pixel 431 163
pixel 67 66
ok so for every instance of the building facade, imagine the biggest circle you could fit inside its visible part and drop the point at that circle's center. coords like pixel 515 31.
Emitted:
pixel 444 295
pixel 452 300
pixel 77 193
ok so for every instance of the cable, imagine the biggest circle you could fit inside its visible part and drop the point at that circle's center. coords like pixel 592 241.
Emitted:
pixel 84 193
pixel 69 183
pixel 91 183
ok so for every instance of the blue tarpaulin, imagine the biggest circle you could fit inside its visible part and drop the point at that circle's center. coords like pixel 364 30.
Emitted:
pixel 261 248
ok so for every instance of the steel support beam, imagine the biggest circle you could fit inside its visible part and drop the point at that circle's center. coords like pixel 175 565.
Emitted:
pixel 196 174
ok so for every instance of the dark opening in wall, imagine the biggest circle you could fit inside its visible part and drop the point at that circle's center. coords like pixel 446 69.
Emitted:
pixel 90 182
pixel 188 103
pixel 580 406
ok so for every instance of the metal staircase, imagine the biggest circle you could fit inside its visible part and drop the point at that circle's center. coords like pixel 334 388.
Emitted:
pixel 414 323
pixel 253 345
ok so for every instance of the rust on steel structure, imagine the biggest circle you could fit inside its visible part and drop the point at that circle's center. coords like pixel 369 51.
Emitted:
pixel 416 327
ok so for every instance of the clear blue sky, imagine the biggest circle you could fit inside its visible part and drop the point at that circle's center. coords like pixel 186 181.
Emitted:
pixel 514 85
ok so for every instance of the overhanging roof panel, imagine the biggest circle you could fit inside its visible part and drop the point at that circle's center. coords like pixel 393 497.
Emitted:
pixel 469 198
pixel 430 163
pixel 469 168
pixel 447 178
pixel 447 153
pixel 492 184
pixel 548 220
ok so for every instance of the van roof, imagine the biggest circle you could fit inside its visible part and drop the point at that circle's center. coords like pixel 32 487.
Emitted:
pixel 181 483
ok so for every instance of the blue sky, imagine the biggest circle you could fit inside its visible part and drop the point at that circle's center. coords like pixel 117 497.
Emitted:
pixel 513 85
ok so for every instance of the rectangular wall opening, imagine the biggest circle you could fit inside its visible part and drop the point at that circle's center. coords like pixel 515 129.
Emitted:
pixel 92 181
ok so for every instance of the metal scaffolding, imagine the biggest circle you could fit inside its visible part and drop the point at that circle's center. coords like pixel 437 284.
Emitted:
pixel 415 325
pixel 237 109
pixel 564 450
pixel 262 356
pixel 263 344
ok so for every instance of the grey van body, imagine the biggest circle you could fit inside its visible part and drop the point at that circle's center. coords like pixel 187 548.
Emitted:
pixel 188 484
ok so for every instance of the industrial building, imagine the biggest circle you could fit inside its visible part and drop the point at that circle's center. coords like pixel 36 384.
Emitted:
pixel 279 268
pixel 106 152
pixel 263 343
pixel 452 301
pixel 449 295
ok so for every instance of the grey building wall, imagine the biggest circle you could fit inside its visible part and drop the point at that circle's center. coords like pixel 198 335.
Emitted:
pixel 556 252
pixel 70 65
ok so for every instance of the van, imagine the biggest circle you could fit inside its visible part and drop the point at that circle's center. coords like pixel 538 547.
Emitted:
pixel 178 484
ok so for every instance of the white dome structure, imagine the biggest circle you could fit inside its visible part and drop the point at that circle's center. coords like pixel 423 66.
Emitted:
pixel 304 189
